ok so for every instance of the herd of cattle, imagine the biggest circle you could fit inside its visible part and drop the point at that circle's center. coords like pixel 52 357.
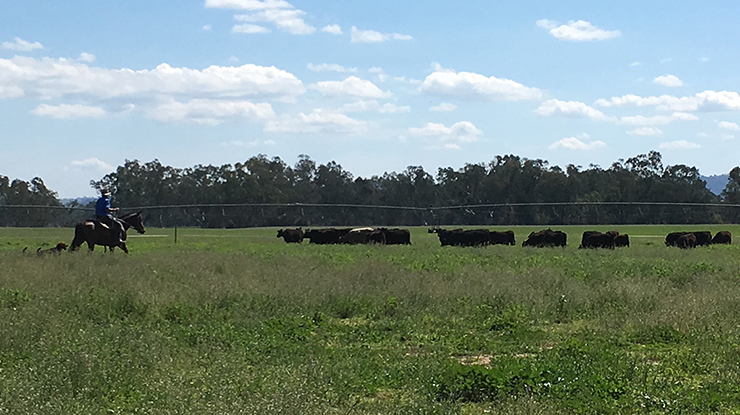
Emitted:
pixel 484 237
pixel 351 236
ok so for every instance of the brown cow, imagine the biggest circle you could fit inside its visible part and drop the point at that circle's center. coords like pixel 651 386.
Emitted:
pixel 722 237
pixel 686 241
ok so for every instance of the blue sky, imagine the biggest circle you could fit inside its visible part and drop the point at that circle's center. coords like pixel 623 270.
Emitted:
pixel 374 85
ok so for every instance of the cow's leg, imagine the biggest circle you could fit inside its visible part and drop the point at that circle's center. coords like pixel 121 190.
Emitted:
pixel 90 246
pixel 123 246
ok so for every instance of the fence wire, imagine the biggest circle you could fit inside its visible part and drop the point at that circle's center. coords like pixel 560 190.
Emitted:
pixel 232 215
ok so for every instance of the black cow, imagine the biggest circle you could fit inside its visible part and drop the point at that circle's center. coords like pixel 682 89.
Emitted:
pixel 396 236
pixel 459 237
pixel 598 240
pixel 703 238
pixel 622 241
pixel 546 238
pixel 291 236
pixel 671 238
pixel 501 238
pixel 722 237
pixel 325 236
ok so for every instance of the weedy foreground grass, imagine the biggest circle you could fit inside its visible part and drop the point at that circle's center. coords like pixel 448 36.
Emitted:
pixel 237 322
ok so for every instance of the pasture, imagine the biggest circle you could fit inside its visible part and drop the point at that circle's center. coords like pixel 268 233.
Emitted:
pixel 239 322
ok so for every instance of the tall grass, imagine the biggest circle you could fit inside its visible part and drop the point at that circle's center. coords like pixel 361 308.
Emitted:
pixel 238 322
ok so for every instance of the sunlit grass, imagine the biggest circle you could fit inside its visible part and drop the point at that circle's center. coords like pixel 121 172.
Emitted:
pixel 236 321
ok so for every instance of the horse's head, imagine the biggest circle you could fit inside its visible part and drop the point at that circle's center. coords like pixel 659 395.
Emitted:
pixel 135 220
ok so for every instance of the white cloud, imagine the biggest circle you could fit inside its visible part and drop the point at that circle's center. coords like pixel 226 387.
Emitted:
pixel 93 164
pixel 249 144
pixel 86 57
pixel 468 85
pixel 679 145
pixel 249 29
pixel 573 109
pixel 21 45
pixel 65 112
pixel 373 105
pixel 248 4
pixel 210 112
pixel 721 99
pixel 706 101
pixel 11 91
pixel 393 109
pixel 704 59
pixel 658 119
pixel 318 122
pixel 668 80
pixel 443 107
pixel 334 29
pixel 575 143
pixel 290 21
pixel 449 137
pixel 360 106
pixel 54 78
pixel 727 137
pixel 371 36
pixel 351 86
pixel 577 31
pixel 329 67
pixel 646 132
pixel 207 28
pixel 730 126
pixel 633 64
pixel 662 103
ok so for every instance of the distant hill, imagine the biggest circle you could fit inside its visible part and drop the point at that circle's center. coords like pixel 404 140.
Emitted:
pixel 716 184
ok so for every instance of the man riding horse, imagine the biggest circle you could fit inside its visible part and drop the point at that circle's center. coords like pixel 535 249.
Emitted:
pixel 104 214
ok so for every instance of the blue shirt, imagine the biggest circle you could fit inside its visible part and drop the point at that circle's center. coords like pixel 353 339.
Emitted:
pixel 102 206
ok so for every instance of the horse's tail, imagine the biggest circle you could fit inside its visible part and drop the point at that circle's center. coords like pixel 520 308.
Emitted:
pixel 79 238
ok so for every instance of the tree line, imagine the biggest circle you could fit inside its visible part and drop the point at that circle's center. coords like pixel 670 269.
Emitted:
pixel 311 194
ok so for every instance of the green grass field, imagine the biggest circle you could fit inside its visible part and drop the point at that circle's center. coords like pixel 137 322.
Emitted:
pixel 238 322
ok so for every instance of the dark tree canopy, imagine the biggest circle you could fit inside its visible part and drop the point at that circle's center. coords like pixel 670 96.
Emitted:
pixel 282 193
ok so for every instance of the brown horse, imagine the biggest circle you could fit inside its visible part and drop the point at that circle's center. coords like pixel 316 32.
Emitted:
pixel 94 233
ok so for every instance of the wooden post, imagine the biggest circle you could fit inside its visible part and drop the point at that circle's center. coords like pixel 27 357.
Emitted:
pixel 175 235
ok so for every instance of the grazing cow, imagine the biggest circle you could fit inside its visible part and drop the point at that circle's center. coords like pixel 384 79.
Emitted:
pixel 703 238
pixel 598 240
pixel 546 238
pixel 356 236
pixel 325 236
pixel 622 241
pixel 671 238
pixel 501 238
pixel 459 237
pixel 722 237
pixel 61 246
pixel 686 241
pixel 396 236
pixel 376 237
pixel 291 236
pixel 585 236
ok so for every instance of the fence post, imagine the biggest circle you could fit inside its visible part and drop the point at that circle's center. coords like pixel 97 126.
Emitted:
pixel 175 235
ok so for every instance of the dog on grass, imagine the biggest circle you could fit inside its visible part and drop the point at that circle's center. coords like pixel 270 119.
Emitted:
pixel 61 246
